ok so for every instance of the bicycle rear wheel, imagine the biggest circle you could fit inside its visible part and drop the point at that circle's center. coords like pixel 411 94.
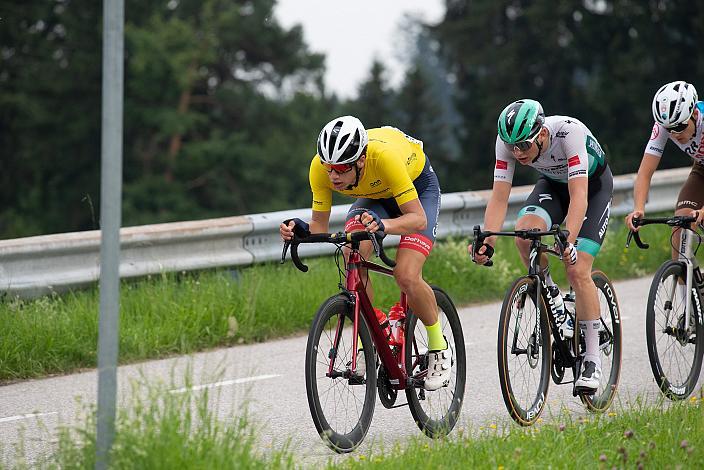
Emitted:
pixel 609 345
pixel 342 405
pixel 436 412
pixel 675 353
pixel 524 352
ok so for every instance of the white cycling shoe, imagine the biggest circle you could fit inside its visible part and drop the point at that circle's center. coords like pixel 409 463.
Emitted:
pixel 590 376
pixel 439 369
pixel 361 364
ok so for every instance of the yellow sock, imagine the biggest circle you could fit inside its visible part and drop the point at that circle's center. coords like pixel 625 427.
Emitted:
pixel 436 341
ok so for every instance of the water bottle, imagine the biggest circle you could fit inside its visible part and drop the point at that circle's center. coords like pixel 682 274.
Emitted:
pixel 383 322
pixel 571 311
pixel 396 317
pixel 561 317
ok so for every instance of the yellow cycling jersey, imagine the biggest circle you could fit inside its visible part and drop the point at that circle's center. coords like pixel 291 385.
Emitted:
pixel 394 160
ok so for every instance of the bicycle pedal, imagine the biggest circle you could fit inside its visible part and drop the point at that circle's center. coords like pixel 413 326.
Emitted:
pixel 583 391
pixel 357 380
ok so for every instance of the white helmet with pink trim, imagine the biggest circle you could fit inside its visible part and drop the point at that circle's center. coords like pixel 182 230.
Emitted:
pixel 674 103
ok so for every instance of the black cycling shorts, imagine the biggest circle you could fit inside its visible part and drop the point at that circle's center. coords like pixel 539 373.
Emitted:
pixel 550 200
pixel 428 189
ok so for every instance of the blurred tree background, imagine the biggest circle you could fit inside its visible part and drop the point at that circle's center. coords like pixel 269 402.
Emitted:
pixel 223 104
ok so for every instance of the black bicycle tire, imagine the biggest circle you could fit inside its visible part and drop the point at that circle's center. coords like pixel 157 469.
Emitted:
pixel 602 403
pixel 677 268
pixel 522 416
pixel 339 442
pixel 439 427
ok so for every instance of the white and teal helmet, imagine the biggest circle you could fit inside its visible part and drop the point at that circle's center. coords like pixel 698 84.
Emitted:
pixel 674 103
pixel 342 140
pixel 520 121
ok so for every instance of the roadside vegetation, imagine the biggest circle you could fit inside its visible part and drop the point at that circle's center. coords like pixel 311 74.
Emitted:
pixel 165 430
pixel 642 437
pixel 178 313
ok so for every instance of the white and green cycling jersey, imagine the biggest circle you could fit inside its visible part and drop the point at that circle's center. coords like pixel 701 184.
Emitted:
pixel 572 151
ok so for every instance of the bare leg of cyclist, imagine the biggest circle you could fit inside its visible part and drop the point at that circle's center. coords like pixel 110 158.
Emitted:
pixel 409 277
pixel 528 222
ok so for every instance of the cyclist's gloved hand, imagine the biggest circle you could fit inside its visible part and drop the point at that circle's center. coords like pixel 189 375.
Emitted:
pixel 570 253
pixel 480 256
pixel 369 219
pixel 300 228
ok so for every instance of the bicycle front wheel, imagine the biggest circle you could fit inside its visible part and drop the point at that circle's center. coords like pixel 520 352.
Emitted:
pixel 436 412
pixel 609 345
pixel 341 404
pixel 524 352
pixel 674 349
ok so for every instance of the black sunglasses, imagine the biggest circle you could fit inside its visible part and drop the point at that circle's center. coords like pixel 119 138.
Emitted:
pixel 524 145
pixel 679 128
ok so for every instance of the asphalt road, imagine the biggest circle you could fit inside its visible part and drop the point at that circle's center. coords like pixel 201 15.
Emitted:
pixel 267 380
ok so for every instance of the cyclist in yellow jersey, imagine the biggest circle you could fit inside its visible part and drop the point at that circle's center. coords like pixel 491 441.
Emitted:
pixel 396 191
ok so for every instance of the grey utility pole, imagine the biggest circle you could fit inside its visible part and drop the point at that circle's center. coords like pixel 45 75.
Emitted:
pixel 110 220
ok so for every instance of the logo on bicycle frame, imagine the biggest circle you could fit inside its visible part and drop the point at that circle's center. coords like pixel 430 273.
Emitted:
pixel 699 307
pixel 614 305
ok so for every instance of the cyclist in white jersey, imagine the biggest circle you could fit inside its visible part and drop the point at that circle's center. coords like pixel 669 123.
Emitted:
pixel 575 186
pixel 678 117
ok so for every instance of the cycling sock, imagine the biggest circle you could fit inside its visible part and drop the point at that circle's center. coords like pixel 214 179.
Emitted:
pixel 436 341
pixel 591 338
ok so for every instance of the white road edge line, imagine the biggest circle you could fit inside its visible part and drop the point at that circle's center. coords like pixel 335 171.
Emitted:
pixel 27 416
pixel 225 383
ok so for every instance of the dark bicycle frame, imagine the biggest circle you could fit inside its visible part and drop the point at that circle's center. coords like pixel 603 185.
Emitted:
pixel 355 291
pixel 569 357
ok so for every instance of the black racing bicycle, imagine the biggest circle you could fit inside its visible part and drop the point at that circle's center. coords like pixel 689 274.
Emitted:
pixel 530 347
pixel 674 326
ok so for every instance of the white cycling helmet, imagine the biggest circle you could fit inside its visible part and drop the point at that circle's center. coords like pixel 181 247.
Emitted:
pixel 674 103
pixel 342 140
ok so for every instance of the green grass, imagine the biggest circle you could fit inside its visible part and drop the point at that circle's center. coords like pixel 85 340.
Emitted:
pixel 165 430
pixel 185 312
pixel 642 437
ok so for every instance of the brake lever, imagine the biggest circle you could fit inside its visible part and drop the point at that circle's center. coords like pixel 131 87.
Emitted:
pixel 287 244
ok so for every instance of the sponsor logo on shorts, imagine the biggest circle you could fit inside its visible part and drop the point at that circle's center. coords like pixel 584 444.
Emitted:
pixel 687 203
pixel 417 242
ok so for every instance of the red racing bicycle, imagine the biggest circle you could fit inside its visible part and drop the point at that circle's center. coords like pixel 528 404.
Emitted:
pixel 340 398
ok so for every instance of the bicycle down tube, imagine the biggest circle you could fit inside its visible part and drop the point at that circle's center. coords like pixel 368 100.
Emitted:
pixel 396 369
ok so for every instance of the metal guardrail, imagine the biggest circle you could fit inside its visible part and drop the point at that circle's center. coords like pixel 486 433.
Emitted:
pixel 38 265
